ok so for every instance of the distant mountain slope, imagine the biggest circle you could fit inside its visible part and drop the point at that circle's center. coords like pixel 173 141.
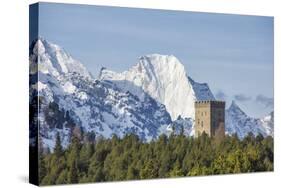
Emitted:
pixel 237 121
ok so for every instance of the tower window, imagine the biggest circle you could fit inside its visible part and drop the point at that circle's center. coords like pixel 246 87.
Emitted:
pixel 201 123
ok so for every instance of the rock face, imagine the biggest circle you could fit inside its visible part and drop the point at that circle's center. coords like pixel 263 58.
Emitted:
pixel 153 97
pixel 164 79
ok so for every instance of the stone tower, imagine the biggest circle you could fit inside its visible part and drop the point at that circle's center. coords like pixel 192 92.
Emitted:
pixel 210 118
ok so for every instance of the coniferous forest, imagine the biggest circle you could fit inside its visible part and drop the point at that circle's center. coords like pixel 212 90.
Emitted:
pixel 129 158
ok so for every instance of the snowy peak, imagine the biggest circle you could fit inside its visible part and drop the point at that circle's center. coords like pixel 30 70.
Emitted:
pixel 155 62
pixel 202 90
pixel 237 121
pixel 38 46
pixel 234 105
pixel 52 59
pixel 234 109
pixel 165 79
pixel 157 66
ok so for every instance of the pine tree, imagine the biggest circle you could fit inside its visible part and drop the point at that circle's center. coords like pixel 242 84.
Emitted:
pixel 41 162
pixel 73 158
pixel 150 170
pixel 62 178
pixel 58 150
pixel 85 154
pixel 132 173
pixel 177 170
pixel 72 176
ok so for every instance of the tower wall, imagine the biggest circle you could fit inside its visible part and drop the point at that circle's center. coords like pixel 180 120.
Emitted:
pixel 210 118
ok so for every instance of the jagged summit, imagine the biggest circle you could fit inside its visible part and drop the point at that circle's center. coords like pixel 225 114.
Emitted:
pixel 165 79
pixel 202 90
pixel 233 105
pixel 160 60
pixel 157 56
pixel 52 59
pixel 234 108
pixel 237 121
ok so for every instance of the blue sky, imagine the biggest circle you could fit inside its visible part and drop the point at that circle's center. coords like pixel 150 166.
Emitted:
pixel 232 53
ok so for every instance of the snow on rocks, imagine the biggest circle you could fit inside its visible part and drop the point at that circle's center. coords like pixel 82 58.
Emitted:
pixel 164 78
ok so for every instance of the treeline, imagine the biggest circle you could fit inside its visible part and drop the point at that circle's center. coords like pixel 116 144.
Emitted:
pixel 175 156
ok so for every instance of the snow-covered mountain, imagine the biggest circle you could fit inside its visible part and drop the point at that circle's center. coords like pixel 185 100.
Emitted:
pixel 240 123
pixel 49 58
pixel 153 97
pixel 77 100
pixel 164 78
